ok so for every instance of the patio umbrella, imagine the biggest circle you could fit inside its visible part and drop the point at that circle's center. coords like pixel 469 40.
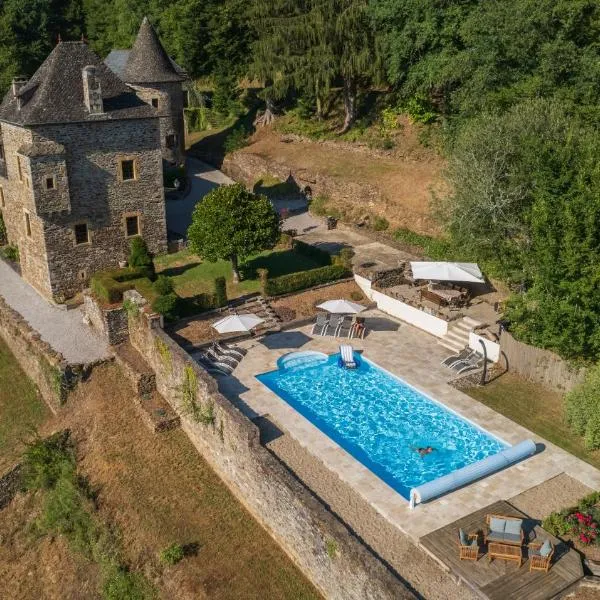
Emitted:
pixel 233 323
pixel 341 307
pixel 447 271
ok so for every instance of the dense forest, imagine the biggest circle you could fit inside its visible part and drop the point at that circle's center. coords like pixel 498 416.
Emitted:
pixel 512 87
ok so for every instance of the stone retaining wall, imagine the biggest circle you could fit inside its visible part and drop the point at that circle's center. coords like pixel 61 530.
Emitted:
pixel 110 322
pixel 319 543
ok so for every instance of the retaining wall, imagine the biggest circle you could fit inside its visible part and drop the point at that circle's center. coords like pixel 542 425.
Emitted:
pixel 540 366
pixel 319 543
pixel 111 322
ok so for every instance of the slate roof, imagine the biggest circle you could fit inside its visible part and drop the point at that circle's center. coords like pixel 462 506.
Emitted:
pixel 55 92
pixel 148 62
pixel 117 59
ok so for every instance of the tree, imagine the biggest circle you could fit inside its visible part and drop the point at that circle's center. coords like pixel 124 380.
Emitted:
pixel 232 223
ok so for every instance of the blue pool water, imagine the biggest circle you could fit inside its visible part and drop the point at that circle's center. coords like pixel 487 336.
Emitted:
pixel 379 419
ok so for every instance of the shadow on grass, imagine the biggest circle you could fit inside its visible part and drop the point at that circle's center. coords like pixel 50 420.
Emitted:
pixel 174 271
pixel 277 189
pixel 277 263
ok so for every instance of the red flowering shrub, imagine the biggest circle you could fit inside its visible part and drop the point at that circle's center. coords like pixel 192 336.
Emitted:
pixel 584 527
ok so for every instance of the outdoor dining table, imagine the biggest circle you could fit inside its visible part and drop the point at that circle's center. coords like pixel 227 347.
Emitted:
pixel 448 295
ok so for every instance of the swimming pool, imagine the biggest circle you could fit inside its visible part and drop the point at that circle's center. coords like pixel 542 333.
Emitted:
pixel 379 419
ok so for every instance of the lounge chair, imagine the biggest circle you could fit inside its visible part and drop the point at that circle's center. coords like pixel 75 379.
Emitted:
pixel 471 361
pixel 462 355
pixel 228 350
pixel 505 530
pixel 540 555
pixel 470 365
pixel 345 328
pixel 215 357
pixel 347 356
pixel 334 322
pixel 213 367
pixel 468 545
pixel 320 324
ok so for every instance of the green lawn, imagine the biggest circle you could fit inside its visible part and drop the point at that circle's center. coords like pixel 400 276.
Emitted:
pixel 21 408
pixel 193 276
pixel 535 408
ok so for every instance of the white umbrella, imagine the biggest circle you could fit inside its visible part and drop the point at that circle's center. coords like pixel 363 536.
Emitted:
pixel 447 271
pixel 341 306
pixel 233 323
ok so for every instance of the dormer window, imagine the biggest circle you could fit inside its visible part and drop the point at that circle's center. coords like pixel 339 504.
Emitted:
pixel 50 182
pixel 154 102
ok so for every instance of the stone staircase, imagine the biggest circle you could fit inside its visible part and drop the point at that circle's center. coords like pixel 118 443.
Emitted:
pixel 261 308
pixel 458 334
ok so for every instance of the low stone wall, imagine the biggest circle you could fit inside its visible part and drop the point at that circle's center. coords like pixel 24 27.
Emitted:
pixel 318 542
pixel 111 322
pixel 540 366
pixel 48 369
pixel 10 483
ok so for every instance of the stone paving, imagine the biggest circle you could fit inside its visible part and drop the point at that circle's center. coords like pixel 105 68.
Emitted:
pixel 415 357
pixel 63 329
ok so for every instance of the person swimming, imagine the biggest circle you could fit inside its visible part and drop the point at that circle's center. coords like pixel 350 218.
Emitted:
pixel 423 451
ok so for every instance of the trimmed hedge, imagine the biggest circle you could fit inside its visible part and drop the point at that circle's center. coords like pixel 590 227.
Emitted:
pixel 220 297
pixel 318 255
pixel 304 279
pixel 582 407
pixel 110 285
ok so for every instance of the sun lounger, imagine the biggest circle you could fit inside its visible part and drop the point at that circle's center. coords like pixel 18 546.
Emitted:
pixel 213 367
pixel 321 324
pixel 471 366
pixel 223 358
pixel 347 356
pixel 332 327
pixel 462 355
pixel 471 361
pixel 344 328
pixel 228 350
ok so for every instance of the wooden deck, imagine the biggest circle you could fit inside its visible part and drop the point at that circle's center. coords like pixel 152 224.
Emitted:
pixel 499 579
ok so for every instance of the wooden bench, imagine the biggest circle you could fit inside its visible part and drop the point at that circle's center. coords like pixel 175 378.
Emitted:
pixel 505 552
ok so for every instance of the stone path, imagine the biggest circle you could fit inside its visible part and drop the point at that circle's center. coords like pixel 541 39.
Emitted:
pixel 64 330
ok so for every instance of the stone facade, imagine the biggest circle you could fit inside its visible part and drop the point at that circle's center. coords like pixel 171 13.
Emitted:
pixel 84 162
pixel 111 322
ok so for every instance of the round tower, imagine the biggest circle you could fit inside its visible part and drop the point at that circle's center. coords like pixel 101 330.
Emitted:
pixel 157 80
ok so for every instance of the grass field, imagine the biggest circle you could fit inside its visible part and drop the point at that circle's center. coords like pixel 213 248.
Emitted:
pixel 536 408
pixel 21 409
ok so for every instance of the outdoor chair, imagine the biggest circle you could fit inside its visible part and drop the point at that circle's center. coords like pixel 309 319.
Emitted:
pixel 504 530
pixel 344 328
pixel 462 355
pixel 222 358
pixel 540 556
pixel 468 545
pixel 320 324
pixel 473 363
pixel 358 328
pixel 332 326
pixel 229 351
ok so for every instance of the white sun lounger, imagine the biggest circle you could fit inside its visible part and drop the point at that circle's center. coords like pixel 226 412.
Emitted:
pixel 347 354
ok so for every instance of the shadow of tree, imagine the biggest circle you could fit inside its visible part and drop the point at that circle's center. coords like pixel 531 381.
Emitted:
pixel 277 263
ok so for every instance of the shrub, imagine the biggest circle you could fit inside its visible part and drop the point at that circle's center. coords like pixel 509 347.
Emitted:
pixel 121 584
pixel 583 402
pixel 310 251
pixel 139 255
pixel 556 523
pixel 286 241
pixel 318 206
pixel 304 279
pixel 163 285
pixel 220 298
pixel 172 555
pixel 166 305
pixel 111 284
pixel 10 253
pixel 345 256
pixel 419 110
pixel 592 432
pixel 380 223
pixel 46 460
pixel 236 140
pixel 356 296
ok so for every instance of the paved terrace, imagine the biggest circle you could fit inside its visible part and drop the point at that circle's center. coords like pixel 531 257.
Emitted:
pixel 64 330
pixel 415 357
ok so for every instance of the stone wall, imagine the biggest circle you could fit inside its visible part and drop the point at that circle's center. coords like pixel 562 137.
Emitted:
pixel 540 366
pixel 10 483
pixel 110 321
pixel 318 542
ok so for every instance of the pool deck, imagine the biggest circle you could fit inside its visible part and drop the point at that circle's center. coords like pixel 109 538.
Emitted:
pixel 414 356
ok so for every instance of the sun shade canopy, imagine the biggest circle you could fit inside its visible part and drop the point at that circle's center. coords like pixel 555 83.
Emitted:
pixel 341 306
pixel 447 271
pixel 235 323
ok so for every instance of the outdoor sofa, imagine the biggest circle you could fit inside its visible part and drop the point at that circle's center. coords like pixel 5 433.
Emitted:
pixel 504 530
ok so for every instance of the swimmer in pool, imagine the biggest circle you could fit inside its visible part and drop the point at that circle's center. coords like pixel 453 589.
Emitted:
pixel 424 451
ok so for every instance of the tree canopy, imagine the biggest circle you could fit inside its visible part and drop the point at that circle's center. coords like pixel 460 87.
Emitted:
pixel 232 223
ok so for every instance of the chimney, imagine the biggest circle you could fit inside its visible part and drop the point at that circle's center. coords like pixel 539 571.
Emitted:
pixel 92 92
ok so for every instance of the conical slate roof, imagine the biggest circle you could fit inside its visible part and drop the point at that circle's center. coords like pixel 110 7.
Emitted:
pixel 148 62
pixel 55 92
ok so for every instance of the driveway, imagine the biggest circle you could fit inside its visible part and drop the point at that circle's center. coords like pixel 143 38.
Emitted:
pixel 64 330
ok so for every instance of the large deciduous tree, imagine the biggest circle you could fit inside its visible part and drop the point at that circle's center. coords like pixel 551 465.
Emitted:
pixel 232 223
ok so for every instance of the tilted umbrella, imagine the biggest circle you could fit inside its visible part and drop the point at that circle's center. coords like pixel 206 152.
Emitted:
pixel 447 271
pixel 236 323
pixel 341 307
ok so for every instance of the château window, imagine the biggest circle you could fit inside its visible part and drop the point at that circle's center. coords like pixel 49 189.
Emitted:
pixel 128 170
pixel 82 235
pixel 132 225
pixel 171 140
pixel 50 182
pixel 155 102
pixel 27 225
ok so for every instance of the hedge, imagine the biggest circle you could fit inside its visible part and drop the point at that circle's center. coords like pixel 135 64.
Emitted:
pixel 582 407
pixel 110 285
pixel 304 279
pixel 318 255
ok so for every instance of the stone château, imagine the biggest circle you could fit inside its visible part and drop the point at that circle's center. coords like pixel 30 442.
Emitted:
pixel 81 160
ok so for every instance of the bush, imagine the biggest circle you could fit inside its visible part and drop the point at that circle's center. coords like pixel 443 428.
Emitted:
pixel 10 253
pixel 286 241
pixel 592 432
pixel 583 402
pixel 380 223
pixel 46 460
pixel 318 206
pixel 356 296
pixel 139 255
pixel 163 285
pixel 310 251
pixel 556 523
pixel 121 584
pixel 345 256
pixel 110 285
pixel 166 305
pixel 172 555
pixel 236 140
pixel 220 298
pixel 304 279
